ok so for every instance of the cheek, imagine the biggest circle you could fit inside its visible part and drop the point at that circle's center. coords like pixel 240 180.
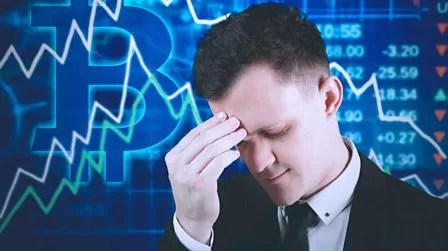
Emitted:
pixel 246 155
pixel 297 151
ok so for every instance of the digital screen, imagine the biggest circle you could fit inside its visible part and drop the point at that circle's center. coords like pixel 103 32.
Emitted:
pixel 93 94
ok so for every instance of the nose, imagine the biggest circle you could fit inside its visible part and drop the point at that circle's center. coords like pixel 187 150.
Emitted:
pixel 259 155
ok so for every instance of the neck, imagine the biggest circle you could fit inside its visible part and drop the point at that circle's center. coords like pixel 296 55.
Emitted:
pixel 338 160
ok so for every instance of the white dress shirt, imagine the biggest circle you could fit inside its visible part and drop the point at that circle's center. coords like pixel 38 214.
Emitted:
pixel 332 204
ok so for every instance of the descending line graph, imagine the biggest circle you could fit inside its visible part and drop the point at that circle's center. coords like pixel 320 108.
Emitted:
pixel 98 165
pixel 372 82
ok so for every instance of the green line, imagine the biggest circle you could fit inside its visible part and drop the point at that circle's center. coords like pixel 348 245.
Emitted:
pixel 98 166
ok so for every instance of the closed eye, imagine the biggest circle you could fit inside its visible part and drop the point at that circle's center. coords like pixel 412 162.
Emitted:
pixel 270 135
pixel 277 134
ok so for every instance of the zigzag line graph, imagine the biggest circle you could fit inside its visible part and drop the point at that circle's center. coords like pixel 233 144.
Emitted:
pixel 98 165
pixel 87 42
pixel 74 27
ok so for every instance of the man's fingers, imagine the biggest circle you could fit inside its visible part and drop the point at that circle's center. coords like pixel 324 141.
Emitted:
pixel 208 137
pixel 186 141
pixel 215 168
pixel 214 149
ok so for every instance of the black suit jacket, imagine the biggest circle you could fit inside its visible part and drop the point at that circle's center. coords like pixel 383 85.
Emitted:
pixel 386 214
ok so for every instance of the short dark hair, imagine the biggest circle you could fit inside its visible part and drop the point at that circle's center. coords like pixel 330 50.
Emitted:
pixel 274 34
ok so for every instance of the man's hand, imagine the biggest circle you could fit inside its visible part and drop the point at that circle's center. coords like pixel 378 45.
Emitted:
pixel 194 166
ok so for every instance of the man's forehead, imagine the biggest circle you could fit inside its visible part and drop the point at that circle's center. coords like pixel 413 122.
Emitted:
pixel 253 122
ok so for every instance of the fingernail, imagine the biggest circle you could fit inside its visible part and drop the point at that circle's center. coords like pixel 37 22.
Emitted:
pixel 220 115
pixel 241 133
pixel 233 121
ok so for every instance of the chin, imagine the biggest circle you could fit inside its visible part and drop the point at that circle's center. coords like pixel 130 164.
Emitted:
pixel 282 198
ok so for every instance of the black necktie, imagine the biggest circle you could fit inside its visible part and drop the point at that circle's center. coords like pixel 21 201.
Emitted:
pixel 300 218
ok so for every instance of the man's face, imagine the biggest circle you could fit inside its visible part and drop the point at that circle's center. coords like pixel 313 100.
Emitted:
pixel 284 149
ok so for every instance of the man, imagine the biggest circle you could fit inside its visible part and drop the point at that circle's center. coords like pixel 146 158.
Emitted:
pixel 266 77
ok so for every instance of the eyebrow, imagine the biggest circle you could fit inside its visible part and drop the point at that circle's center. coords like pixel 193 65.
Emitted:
pixel 268 128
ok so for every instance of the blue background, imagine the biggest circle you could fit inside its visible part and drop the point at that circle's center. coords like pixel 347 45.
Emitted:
pixel 114 194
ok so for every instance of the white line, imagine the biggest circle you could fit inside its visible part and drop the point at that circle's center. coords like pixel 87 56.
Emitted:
pixel 372 82
pixel 425 188
pixel 203 21
pixel 70 155
pixel 87 41
pixel 414 176
pixel 74 27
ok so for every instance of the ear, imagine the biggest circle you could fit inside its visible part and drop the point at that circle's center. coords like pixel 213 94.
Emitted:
pixel 331 93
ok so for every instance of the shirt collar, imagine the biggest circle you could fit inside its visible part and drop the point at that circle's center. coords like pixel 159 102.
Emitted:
pixel 331 200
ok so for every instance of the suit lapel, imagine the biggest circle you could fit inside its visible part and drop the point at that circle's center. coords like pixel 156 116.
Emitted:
pixel 269 232
pixel 262 213
pixel 368 213
pixel 251 216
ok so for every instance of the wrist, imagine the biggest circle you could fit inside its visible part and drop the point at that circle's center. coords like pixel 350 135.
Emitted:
pixel 199 231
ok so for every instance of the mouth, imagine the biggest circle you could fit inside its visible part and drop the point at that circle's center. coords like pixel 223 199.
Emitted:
pixel 276 179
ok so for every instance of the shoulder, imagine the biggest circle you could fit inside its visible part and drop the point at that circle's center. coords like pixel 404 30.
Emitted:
pixel 393 187
pixel 414 203
pixel 400 215
pixel 403 200
pixel 408 195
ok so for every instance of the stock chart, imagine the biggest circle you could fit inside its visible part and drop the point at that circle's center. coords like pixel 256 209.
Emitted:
pixel 94 93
